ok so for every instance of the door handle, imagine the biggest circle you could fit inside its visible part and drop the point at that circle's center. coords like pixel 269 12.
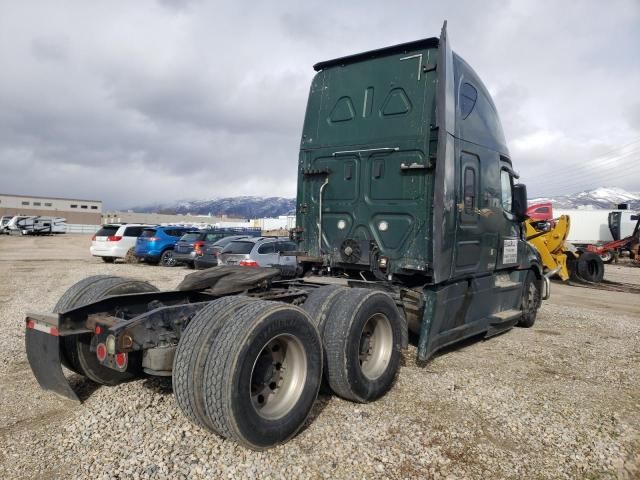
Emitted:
pixel 413 166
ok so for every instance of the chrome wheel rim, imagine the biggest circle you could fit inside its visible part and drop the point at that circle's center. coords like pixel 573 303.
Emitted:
pixel 169 261
pixel 278 377
pixel 376 346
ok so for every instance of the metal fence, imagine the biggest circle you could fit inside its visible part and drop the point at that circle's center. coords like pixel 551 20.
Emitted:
pixel 77 228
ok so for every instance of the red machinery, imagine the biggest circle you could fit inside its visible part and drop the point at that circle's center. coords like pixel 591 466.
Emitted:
pixel 610 250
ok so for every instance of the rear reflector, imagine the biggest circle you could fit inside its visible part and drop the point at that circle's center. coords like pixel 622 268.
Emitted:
pixel 121 360
pixel 114 238
pixel 41 327
pixel 101 352
pixel 249 263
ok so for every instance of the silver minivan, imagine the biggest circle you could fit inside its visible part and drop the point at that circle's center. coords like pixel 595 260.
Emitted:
pixel 262 252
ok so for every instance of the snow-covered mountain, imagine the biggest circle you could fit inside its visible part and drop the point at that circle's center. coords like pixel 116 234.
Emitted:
pixel 603 197
pixel 242 207
pixel 259 207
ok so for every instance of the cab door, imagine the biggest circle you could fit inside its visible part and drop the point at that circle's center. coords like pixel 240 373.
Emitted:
pixel 468 248
pixel 509 244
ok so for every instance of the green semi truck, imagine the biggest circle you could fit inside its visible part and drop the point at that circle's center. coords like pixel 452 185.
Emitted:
pixel 409 220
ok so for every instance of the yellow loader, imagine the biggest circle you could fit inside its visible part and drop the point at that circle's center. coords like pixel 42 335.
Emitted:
pixel 558 256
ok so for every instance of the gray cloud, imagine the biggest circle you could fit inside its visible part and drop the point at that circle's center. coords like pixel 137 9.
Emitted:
pixel 152 101
pixel 50 48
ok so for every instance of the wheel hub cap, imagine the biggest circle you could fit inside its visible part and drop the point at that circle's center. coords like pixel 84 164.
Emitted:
pixel 278 377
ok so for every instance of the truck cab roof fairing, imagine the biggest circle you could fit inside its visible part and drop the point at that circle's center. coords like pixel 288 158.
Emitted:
pixel 380 52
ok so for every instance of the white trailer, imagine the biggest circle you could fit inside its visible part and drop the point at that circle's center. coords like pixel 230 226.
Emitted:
pixel 37 225
pixel 591 227
pixel 4 222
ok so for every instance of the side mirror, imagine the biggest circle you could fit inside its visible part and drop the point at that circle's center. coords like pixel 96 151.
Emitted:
pixel 519 208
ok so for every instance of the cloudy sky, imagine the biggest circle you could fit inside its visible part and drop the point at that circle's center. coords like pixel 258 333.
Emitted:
pixel 152 101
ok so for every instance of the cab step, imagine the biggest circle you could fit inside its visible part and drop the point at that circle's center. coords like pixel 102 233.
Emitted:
pixel 502 321
pixel 504 282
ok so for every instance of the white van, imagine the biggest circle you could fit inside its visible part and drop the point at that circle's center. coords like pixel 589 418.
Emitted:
pixel 115 241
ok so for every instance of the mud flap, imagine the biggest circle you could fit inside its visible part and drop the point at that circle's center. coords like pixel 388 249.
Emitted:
pixel 43 353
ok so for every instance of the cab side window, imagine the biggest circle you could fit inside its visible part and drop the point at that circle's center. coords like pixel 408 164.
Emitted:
pixel 506 187
pixel 468 97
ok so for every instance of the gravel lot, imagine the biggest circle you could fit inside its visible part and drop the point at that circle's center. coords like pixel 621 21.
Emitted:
pixel 559 400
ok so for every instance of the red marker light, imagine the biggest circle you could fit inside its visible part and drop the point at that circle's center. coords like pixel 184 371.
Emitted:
pixel 101 352
pixel 121 360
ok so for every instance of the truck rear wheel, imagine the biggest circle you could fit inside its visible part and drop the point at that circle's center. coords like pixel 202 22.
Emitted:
pixel 590 267
pixel 76 350
pixel 262 374
pixel 531 299
pixel 319 302
pixel 362 340
pixel 191 355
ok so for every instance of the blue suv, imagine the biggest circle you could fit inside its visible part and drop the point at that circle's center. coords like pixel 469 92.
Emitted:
pixel 155 244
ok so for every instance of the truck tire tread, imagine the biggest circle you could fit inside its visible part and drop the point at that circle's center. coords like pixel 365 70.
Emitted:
pixel 191 353
pixel 75 348
pixel 342 330
pixel 319 302
pixel 531 300
pixel 223 359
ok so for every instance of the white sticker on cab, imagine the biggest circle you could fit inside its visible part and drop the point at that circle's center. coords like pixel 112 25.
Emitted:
pixel 510 251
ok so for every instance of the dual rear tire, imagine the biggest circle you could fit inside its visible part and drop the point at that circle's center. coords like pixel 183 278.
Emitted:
pixel 249 370
pixel 362 333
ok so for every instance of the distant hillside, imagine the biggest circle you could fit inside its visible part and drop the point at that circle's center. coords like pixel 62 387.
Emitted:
pixel 603 197
pixel 242 207
pixel 259 207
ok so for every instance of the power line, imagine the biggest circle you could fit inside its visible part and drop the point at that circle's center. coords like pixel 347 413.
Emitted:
pixel 555 177
pixel 608 157
pixel 602 161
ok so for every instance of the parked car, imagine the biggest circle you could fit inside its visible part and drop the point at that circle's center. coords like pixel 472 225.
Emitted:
pixel 155 244
pixel 262 252
pixel 192 243
pixel 116 240
pixel 211 251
